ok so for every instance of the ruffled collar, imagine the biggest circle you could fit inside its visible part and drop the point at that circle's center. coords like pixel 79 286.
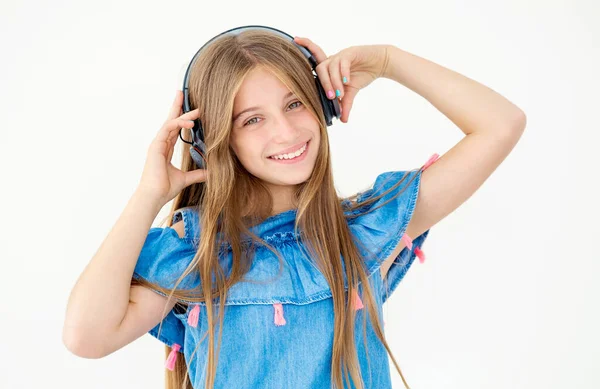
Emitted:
pixel 280 227
pixel 281 222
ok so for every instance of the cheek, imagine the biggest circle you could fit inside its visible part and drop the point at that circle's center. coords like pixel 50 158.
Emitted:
pixel 247 148
pixel 316 141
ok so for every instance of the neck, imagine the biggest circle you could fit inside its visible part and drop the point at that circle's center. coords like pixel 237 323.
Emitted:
pixel 283 198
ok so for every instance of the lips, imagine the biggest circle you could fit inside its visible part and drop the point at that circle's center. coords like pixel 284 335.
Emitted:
pixel 293 160
pixel 290 149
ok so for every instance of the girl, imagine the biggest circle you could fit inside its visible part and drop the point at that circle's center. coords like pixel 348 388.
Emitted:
pixel 292 270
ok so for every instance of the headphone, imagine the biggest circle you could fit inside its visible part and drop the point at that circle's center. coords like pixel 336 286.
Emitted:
pixel 331 108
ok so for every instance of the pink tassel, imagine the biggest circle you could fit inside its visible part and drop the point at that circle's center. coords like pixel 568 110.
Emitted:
pixel 420 254
pixel 194 315
pixel 172 358
pixel 431 160
pixel 407 241
pixel 357 303
pixel 279 320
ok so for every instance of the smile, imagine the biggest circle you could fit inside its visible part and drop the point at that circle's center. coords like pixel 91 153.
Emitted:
pixel 291 155
pixel 294 157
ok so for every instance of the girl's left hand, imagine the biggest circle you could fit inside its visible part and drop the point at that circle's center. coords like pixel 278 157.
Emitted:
pixel 360 65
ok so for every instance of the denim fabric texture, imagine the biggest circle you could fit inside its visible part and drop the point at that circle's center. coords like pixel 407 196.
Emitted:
pixel 255 351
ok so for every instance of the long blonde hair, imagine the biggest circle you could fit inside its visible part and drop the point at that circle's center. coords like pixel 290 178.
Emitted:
pixel 232 200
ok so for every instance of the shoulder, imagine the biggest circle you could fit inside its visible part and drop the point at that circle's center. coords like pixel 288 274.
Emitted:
pixel 179 227
pixel 382 214
pixel 391 198
pixel 187 220
pixel 380 221
pixel 168 251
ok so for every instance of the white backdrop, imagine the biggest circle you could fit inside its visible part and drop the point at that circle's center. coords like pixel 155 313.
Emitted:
pixel 507 297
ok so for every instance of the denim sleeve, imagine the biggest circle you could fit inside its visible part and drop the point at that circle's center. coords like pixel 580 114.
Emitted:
pixel 162 260
pixel 383 226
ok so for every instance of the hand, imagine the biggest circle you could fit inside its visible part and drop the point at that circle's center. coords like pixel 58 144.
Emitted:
pixel 160 179
pixel 361 65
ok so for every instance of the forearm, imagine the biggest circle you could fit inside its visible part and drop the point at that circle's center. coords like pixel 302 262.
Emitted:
pixel 473 107
pixel 100 297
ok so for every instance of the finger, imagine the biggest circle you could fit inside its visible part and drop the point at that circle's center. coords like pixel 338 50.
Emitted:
pixel 171 147
pixel 172 140
pixel 193 114
pixel 171 128
pixel 323 74
pixel 346 104
pixel 316 51
pixel 195 176
pixel 176 106
pixel 345 70
pixel 335 78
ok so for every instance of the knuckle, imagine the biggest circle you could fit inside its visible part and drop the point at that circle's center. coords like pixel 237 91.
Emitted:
pixel 322 74
pixel 172 123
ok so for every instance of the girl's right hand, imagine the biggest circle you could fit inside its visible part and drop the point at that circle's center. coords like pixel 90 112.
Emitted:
pixel 160 179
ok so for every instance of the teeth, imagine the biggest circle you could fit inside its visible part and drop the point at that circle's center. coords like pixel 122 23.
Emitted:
pixel 290 155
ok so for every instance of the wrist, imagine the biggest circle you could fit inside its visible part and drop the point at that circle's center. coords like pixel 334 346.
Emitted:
pixel 147 200
pixel 393 60
pixel 385 66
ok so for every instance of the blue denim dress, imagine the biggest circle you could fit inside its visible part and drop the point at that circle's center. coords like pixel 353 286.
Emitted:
pixel 279 334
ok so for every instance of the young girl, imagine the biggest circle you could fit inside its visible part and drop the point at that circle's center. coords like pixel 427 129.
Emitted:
pixel 293 271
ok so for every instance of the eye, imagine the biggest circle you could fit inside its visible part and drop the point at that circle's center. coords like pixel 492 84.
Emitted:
pixel 249 120
pixel 297 101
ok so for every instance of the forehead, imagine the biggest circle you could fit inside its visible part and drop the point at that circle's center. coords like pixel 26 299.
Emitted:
pixel 260 86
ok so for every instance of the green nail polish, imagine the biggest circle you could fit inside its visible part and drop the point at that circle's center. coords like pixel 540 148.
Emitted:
pixel 337 93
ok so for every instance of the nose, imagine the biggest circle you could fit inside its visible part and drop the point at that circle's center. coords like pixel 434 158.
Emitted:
pixel 286 132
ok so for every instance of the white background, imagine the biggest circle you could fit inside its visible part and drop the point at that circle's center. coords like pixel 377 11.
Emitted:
pixel 507 297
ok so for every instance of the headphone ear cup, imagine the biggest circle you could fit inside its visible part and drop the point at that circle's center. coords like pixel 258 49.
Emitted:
pixel 335 108
pixel 331 108
pixel 324 102
pixel 198 148
pixel 197 131
pixel 198 153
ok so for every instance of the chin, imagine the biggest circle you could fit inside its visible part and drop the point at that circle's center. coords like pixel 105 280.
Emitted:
pixel 287 179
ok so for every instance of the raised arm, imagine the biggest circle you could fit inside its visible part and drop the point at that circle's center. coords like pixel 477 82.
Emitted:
pixel 492 126
pixel 104 312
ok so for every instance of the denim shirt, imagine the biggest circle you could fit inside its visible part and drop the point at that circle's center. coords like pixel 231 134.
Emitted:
pixel 279 334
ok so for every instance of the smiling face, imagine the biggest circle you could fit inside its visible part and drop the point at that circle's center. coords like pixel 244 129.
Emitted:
pixel 270 121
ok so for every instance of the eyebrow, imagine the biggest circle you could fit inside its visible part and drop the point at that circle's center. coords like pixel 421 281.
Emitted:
pixel 255 108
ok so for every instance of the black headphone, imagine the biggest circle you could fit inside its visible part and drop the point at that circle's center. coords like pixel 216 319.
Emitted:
pixel 331 108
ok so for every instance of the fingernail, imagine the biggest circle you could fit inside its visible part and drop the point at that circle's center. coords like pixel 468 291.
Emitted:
pixel 330 94
pixel 345 80
pixel 337 93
